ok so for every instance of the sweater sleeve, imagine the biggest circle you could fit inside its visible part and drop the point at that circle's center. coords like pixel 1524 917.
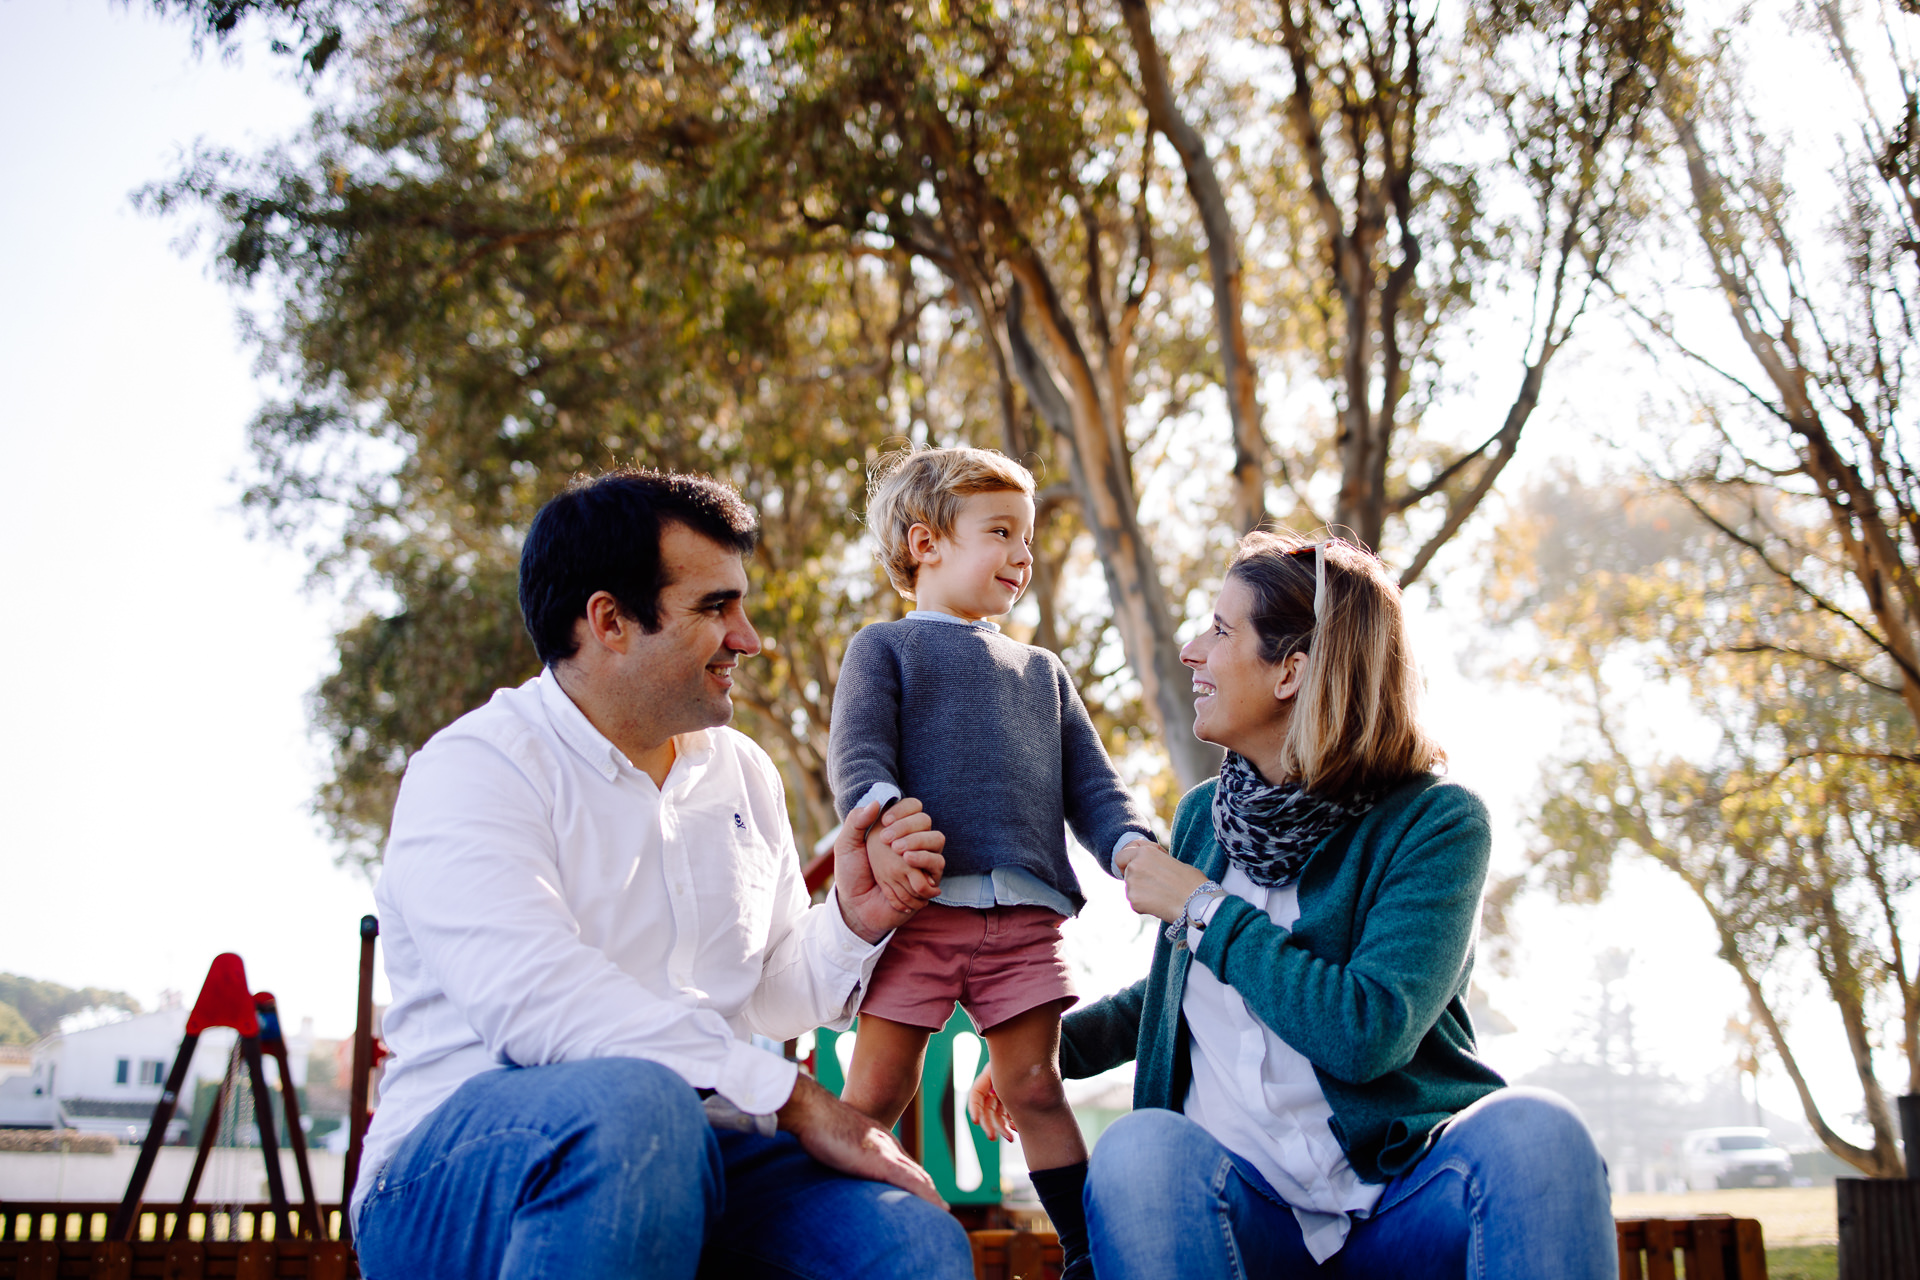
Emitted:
pixel 1098 807
pixel 863 745
pixel 1101 1035
pixel 1361 1019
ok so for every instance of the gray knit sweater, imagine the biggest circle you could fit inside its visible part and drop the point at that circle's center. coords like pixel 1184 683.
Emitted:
pixel 990 735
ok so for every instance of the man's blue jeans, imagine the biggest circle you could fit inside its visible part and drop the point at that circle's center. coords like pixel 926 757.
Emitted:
pixel 1512 1190
pixel 608 1168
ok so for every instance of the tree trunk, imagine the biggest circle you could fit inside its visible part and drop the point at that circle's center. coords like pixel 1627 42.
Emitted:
pixel 1892 591
pixel 1109 510
pixel 1250 451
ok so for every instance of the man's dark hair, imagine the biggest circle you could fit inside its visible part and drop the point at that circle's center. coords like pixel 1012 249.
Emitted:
pixel 603 534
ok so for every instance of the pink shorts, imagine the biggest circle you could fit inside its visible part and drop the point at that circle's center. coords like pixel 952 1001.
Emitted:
pixel 997 962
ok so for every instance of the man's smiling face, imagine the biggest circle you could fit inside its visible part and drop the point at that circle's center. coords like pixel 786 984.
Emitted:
pixel 680 677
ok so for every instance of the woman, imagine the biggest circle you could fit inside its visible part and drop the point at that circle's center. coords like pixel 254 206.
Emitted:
pixel 1307 1096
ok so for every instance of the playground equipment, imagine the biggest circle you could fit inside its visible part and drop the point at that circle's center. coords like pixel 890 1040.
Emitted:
pixel 963 1162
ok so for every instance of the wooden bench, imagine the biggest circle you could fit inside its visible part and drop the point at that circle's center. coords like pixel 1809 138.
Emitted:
pixel 1015 1255
pixel 1714 1246
pixel 62 1241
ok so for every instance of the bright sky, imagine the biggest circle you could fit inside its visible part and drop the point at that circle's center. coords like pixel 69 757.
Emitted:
pixel 154 789
pixel 157 770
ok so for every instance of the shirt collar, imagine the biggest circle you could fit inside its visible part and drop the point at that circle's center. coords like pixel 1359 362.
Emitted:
pixel 571 723
pixel 934 615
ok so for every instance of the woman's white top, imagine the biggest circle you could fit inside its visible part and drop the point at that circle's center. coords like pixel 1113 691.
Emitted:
pixel 1259 1098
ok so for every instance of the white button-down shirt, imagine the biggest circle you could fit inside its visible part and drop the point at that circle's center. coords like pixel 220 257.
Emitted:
pixel 543 901
pixel 1258 1095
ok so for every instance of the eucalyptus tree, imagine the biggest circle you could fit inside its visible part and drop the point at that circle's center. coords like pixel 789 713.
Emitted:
pixel 1436 168
pixel 765 239
pixel 507 260
pixel 1826 317
pixel 1795 824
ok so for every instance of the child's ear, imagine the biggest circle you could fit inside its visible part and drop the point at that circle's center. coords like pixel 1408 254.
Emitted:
pixel 923 545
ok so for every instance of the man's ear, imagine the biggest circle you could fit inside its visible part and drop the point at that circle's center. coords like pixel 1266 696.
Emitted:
pixel 1292 673
pixel 923 544
pixel 606 625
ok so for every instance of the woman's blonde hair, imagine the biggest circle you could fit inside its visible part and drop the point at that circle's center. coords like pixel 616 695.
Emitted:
pixel 927 486
pixel 1356 724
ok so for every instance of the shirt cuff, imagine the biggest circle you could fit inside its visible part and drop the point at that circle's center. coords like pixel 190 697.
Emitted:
pixel 846 948
pixel 885 792
pixel 854 955
pixel 1197 925
pixel 1127 838
pixel 754 1080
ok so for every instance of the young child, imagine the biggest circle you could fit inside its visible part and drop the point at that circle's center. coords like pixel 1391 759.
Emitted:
pixel 992 738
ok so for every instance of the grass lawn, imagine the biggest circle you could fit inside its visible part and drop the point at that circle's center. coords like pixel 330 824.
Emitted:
pixel 1804 1262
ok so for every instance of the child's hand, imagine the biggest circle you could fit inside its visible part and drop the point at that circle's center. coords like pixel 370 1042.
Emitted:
pixel 985 1109
pixel 893 875
pixel 908 880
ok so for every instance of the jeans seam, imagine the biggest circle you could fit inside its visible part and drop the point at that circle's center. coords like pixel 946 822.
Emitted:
pixel 1476 1211
pixel 382 1185
pixel 1224 1171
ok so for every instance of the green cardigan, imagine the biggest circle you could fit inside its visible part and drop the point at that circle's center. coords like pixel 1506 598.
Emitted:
pixel 1370 983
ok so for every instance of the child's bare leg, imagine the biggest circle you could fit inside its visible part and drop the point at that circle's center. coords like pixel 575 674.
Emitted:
pixel 1025 1057
pixel 887 1057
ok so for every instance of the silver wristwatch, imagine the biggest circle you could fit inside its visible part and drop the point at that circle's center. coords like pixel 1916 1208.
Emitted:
pixel 1177 931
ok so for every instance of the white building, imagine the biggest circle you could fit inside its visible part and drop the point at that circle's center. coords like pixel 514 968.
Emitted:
pixel 15 1060
pixel 107 1078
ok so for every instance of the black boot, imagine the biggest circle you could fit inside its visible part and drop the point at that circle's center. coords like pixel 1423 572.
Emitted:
pixel 1060 1192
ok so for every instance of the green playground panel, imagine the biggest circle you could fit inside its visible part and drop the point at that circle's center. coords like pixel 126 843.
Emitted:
pixel 938 1130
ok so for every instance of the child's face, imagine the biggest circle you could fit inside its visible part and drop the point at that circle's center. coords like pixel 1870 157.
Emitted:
pixel 982 569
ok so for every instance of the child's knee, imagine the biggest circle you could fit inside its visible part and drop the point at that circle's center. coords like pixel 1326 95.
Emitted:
pixel 1032 1090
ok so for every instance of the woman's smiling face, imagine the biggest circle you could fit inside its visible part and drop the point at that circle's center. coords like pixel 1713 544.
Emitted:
pixel 1237 701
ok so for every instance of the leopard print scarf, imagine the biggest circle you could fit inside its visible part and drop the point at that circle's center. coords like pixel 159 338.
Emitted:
pixel 1268 831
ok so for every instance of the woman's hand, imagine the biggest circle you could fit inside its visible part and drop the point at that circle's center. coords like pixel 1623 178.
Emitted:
pixel 1158 884
pixel 985 1109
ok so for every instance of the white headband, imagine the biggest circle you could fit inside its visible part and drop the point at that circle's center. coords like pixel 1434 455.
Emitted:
pixel 1319 582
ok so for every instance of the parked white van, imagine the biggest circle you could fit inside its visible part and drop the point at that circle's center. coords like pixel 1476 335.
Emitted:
pixel 1734 1157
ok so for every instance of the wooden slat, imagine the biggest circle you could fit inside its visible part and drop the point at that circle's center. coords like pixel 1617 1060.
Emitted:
pixel 1879 1227
pixel 37 1260
pixel 999 1254
pixel 1714 1247
pixel 1025 1257
pixel 331 1260
pixel 1631 1238
pixel 1749 1249
pixel 255 1261
pixel 183 1262
pixel 1660 1243
pixel 111 1260
pixel 1707 1256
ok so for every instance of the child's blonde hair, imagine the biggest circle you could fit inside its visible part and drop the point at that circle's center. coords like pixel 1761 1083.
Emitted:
pixel 926 486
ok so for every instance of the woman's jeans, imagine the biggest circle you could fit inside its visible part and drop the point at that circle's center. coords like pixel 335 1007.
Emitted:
pixel 609 1168
pixel 1513 1189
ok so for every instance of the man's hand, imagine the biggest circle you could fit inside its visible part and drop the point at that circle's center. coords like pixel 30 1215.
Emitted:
pixel 841 1138
pixel 1158 884
pixel 905 833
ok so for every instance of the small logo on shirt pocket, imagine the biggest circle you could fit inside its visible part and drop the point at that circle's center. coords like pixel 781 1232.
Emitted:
pixel 739 822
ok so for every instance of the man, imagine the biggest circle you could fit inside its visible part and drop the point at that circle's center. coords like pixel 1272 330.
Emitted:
pixel 589 899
